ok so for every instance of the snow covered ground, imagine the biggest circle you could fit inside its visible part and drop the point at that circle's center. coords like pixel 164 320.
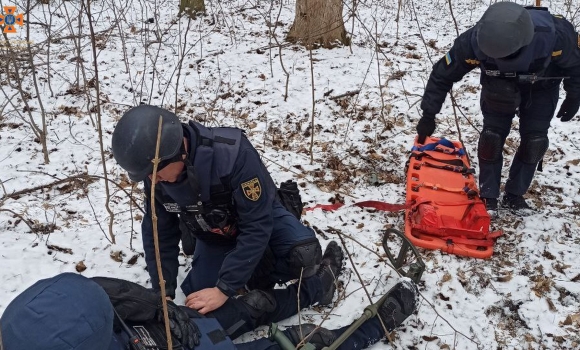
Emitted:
pixel 226 69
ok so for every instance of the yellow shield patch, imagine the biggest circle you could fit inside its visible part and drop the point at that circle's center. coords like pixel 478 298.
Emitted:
pixel 252 189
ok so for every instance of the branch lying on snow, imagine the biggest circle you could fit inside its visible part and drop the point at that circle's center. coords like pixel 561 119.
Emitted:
pixel 346 94
pixel 28 223
pixel 66 180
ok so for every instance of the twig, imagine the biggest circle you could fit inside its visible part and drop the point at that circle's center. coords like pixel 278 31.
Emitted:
pixel 65 180
pixel 453 16
pixel 28 223
pixel 99 122
pixel 43 138
pixel 312 126
pixel 346 94
pixel 156 236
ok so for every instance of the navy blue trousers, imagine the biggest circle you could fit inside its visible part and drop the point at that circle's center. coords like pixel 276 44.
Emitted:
pixel 535 113
pixel 207 259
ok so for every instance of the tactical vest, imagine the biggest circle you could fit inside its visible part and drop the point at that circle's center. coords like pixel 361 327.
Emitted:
pixel 204 198
pixel 534 57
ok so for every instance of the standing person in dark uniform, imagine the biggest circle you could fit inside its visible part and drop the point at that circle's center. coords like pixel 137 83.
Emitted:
pixel 523 53
pixel 212 189
pixel 70 311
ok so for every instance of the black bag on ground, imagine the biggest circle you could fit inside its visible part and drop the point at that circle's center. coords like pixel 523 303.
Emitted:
pixel 289 196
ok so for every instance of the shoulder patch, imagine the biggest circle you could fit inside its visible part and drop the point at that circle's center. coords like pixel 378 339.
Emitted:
pixel 448 58
pixel 252 189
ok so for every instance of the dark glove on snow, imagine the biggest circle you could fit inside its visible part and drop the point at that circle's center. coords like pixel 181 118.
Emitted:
pixel 181 327
pixel 425 127
pixel 568 109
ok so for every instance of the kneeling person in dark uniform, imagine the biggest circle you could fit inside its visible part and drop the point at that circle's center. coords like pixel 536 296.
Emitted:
pixel 214 194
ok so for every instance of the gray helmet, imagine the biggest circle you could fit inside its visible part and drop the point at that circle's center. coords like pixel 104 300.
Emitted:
pixel 135 139
pixel 504 28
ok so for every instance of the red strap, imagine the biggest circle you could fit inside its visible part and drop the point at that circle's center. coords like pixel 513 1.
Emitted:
pixel 383 206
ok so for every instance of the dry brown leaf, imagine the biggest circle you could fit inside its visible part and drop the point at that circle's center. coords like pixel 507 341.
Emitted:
pixel 428 338
pixel 117 255
pixel 133 259
pixel 446 278
pixel 80 267
pixel 551 305
pixel 572 319
pixel 506 278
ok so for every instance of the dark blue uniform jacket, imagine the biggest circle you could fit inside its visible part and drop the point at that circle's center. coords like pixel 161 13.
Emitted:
pixel 235 166
pixel 554 52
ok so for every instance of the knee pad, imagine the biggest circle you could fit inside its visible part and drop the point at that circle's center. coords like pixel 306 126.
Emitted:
pixel 259 303
pixel 305 257
pixel 490 146
pixel 532 148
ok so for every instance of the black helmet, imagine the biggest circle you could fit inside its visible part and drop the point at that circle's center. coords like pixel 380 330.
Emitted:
pixel 504 28
pixel 135 139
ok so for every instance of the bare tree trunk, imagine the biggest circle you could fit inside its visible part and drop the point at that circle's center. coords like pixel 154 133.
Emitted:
pixel 318 21
pixel 191 7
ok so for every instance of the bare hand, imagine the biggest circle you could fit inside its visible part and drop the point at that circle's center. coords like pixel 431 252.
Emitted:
pixel 206 300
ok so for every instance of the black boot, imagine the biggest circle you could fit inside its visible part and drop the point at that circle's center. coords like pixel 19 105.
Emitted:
pixel 490 204
pixel 401 303
pixel 319 337
pixel 329 270
pixel 517 204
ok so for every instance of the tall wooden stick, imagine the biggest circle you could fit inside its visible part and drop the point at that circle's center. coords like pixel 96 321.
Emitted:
pixel 156 236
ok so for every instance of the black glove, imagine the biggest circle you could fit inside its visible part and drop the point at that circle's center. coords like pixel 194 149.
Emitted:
pixel 425 127
pixel 568 109
pixel 182 328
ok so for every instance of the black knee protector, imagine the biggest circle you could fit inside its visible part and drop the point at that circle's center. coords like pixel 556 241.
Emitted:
pixel 532 148
pixel 259 303
pixel 305 257
pixel 490 146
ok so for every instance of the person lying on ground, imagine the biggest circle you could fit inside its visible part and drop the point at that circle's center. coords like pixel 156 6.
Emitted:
pixel 70 311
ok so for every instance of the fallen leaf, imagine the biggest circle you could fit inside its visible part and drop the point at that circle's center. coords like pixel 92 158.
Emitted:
pixel 117 255
pixel 572 319
pixel 427 338
pixel 133 259
pixel 506 278
pixel 80 267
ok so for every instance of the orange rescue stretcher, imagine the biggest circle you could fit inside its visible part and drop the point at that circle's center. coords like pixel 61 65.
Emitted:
pixel 446 212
